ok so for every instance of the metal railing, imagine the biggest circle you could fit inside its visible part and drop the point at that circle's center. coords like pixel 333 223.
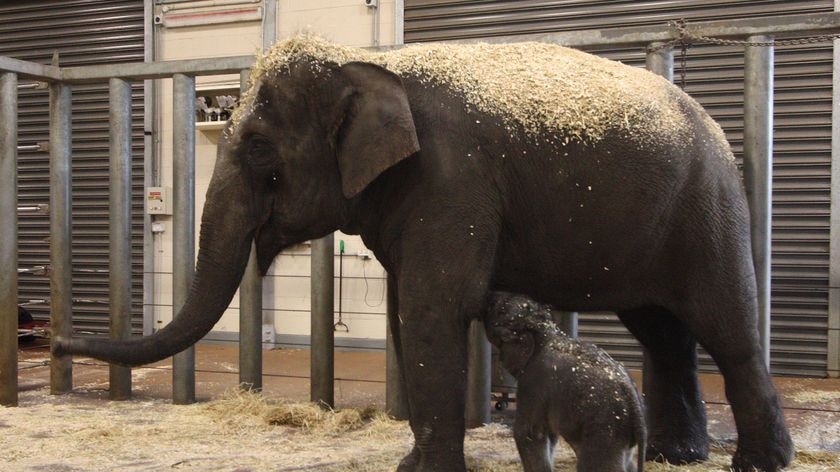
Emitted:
pixel 758 132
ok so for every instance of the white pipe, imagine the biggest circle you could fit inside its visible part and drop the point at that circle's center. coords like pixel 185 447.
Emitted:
pixel 207 3
pixel 399 22
pixel 376 26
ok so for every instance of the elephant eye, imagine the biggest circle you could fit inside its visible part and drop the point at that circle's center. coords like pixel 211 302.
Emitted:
pixel 260 153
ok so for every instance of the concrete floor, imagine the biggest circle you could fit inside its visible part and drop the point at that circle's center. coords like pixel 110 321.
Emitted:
pixel 812 406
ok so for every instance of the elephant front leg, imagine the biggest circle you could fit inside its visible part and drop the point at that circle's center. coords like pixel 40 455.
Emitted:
pixel 439 294
pixel 536 448
pixel 434 363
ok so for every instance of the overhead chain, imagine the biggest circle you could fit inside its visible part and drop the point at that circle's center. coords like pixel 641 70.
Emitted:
pixel 686 39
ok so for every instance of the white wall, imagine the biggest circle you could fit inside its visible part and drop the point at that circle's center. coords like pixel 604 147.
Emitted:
pixel 347 22
pixel 286 297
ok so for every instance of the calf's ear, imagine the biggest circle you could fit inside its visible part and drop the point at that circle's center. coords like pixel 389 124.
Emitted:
pixel 374 128
pixel 516 354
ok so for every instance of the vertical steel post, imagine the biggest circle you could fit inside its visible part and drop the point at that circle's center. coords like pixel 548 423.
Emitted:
pixel 250 309
pixel 659 60
pixel 119 239
pixel 323 333
pixel 269 26
pixel 478 376
pixel 183 231
pixel 150 108
pixel 396 401
pixel 250 326
pixel 8 240
pixel 834 231
pixel 61 282
pixel 758 171
pixel 567 321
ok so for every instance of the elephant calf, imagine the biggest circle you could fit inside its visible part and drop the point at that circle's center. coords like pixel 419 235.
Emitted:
pixel 565 388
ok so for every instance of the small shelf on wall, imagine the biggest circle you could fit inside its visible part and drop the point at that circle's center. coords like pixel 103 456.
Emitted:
pixel 210 125
pixel 211 92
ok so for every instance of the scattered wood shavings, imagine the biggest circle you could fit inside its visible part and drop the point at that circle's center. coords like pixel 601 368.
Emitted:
pixel 815 396
pixel 82 432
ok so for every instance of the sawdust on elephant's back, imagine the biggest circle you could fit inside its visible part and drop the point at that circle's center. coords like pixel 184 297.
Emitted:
pixel 562 94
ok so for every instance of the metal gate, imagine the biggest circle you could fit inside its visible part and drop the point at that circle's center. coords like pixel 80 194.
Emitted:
pixel 82 32
pixel 714 76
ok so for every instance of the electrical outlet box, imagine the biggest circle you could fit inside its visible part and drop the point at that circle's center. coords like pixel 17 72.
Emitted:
pixel 158 227
pixel 159 201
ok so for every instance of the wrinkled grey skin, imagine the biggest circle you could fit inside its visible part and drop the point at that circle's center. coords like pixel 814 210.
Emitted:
pixel 565 389
pixel 421 177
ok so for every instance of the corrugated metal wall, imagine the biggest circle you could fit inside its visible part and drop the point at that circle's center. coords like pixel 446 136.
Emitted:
pixel 82 32
pixel 714 76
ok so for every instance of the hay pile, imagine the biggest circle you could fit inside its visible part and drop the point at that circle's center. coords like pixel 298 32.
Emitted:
pixel 815 396
pixel 247 432
pixel 235 404
pixel 563 94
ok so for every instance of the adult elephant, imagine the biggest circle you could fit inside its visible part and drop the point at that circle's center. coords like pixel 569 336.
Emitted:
pixel 529 168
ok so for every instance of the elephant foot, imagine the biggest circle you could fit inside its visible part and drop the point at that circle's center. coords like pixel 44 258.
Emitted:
pixel 410 462
pixel 415 462
pixel 677 452
pixel 765 459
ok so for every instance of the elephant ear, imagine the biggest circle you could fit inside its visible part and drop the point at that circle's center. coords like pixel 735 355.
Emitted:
pixel 517 353
pixel 375 129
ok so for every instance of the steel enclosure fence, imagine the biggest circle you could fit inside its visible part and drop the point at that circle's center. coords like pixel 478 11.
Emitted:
pixel 184 72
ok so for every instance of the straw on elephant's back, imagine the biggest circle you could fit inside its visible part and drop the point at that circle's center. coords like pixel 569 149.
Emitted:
pixel 563 94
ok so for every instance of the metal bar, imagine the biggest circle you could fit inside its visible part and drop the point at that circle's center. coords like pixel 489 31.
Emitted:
pixel 8 239
pixel 150 105
pixel 34 86
pixel 61 285
pixel 29 147
pixel 478 376
pixel 660 61
pixel 37 270
pixel 567 321
pixel 39 209
pixel 250 309
pixel 30 70
pixel 813 23
pixel 323 334
pixel 269 24
pixel 183 225
pixel 156 70
pixel 250 326
pixel 119 235
pixel 834 232
pixel 210 3
pixel 396 401
pixel 399 22
pixel 758 170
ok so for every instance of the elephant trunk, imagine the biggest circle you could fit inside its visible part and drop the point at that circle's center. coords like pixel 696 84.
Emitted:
pixel 224 247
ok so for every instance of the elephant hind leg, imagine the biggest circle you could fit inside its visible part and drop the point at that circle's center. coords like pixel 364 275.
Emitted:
pixel 723 319
pixel 675 415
